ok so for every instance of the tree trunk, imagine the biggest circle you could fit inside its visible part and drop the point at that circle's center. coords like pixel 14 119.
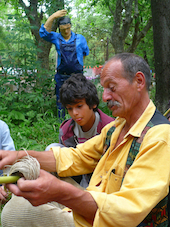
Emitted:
pixel 43 54
pixel 161 37
pixel 43 47
pixel 35 19
pixel 131 22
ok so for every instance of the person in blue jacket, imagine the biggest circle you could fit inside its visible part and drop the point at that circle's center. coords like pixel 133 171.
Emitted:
pixel 71 49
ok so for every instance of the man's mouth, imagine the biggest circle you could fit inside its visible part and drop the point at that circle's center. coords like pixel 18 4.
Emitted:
pixel 111 103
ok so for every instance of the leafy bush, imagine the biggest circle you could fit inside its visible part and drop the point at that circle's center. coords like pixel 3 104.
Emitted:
pixel 32 119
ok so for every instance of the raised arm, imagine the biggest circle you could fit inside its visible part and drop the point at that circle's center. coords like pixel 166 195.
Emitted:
pixel 49 22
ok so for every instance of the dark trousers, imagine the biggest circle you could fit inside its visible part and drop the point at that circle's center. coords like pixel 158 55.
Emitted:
pixel 60 78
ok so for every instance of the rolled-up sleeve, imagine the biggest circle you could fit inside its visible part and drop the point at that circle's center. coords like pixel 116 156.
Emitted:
pixel 48 36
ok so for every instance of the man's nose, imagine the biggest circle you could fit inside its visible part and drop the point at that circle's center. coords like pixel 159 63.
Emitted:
pixel 106 95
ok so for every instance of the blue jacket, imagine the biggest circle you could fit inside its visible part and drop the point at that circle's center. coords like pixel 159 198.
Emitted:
pixel 54 37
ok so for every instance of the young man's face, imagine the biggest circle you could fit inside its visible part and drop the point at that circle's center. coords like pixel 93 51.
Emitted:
pixel 82 114
pixel 65 31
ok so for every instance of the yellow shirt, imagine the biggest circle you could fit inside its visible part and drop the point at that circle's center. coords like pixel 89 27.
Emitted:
pixel 146 182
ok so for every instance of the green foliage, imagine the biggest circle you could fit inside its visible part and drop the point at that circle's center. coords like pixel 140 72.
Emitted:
pixel 19 60
pixel 43 132
pixel 31 118
pixel 95 19
pixel 27 92
pixel 145 49
pixel 94 22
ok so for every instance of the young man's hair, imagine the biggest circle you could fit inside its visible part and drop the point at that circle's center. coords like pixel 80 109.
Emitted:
pixel 77 87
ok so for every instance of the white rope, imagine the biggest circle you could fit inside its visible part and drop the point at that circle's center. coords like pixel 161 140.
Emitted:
pixel 28 167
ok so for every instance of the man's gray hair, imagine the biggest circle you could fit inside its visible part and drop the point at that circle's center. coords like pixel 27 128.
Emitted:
pixel 132 64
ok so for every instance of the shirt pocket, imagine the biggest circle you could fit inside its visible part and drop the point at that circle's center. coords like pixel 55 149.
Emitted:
pixel 115 179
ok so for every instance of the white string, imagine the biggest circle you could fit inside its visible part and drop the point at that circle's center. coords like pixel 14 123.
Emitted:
pixel 28 166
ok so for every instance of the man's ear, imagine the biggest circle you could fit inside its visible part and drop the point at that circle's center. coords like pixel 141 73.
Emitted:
pixel 140 80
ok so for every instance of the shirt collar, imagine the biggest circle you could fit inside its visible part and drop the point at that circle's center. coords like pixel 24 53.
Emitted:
pixel 138 127
pixel 71 38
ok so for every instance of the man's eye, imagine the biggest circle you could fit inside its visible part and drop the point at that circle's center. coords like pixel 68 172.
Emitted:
pixel 79 106
pixel 69 109
pixel 112 89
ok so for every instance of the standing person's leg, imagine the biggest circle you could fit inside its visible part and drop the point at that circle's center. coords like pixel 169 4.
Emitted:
pixel 60 78
pixel 60 108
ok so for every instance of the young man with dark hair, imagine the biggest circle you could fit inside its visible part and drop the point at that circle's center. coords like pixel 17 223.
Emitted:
pixel 79 96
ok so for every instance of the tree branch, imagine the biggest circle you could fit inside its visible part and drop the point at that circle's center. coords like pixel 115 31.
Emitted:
pixel 138 37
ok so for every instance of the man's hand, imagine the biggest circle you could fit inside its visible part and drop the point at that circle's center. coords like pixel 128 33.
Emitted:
pixel 48 188
pixel 49 22
pixel 9 157
pixel 3 194
pixel 59 13
pixel 40 191
pixel 46 159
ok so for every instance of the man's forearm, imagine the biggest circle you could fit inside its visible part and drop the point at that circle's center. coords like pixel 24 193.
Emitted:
pixel 78 200
pixel 45 158
pixel 49 22
pixel 47 188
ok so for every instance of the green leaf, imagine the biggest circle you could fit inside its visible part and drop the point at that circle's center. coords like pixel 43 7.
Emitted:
pixel 16 115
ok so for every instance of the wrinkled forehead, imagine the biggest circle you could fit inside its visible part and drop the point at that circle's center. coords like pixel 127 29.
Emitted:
pixel 111 70
pixel 65 26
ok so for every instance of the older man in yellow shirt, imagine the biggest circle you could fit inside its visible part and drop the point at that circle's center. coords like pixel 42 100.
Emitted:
pixel 130 159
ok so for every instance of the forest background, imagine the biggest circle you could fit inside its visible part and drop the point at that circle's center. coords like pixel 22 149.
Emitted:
pixel 27 62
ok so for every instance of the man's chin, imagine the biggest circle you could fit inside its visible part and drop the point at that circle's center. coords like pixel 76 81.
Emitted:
pixel 115 112
pixel 113 108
